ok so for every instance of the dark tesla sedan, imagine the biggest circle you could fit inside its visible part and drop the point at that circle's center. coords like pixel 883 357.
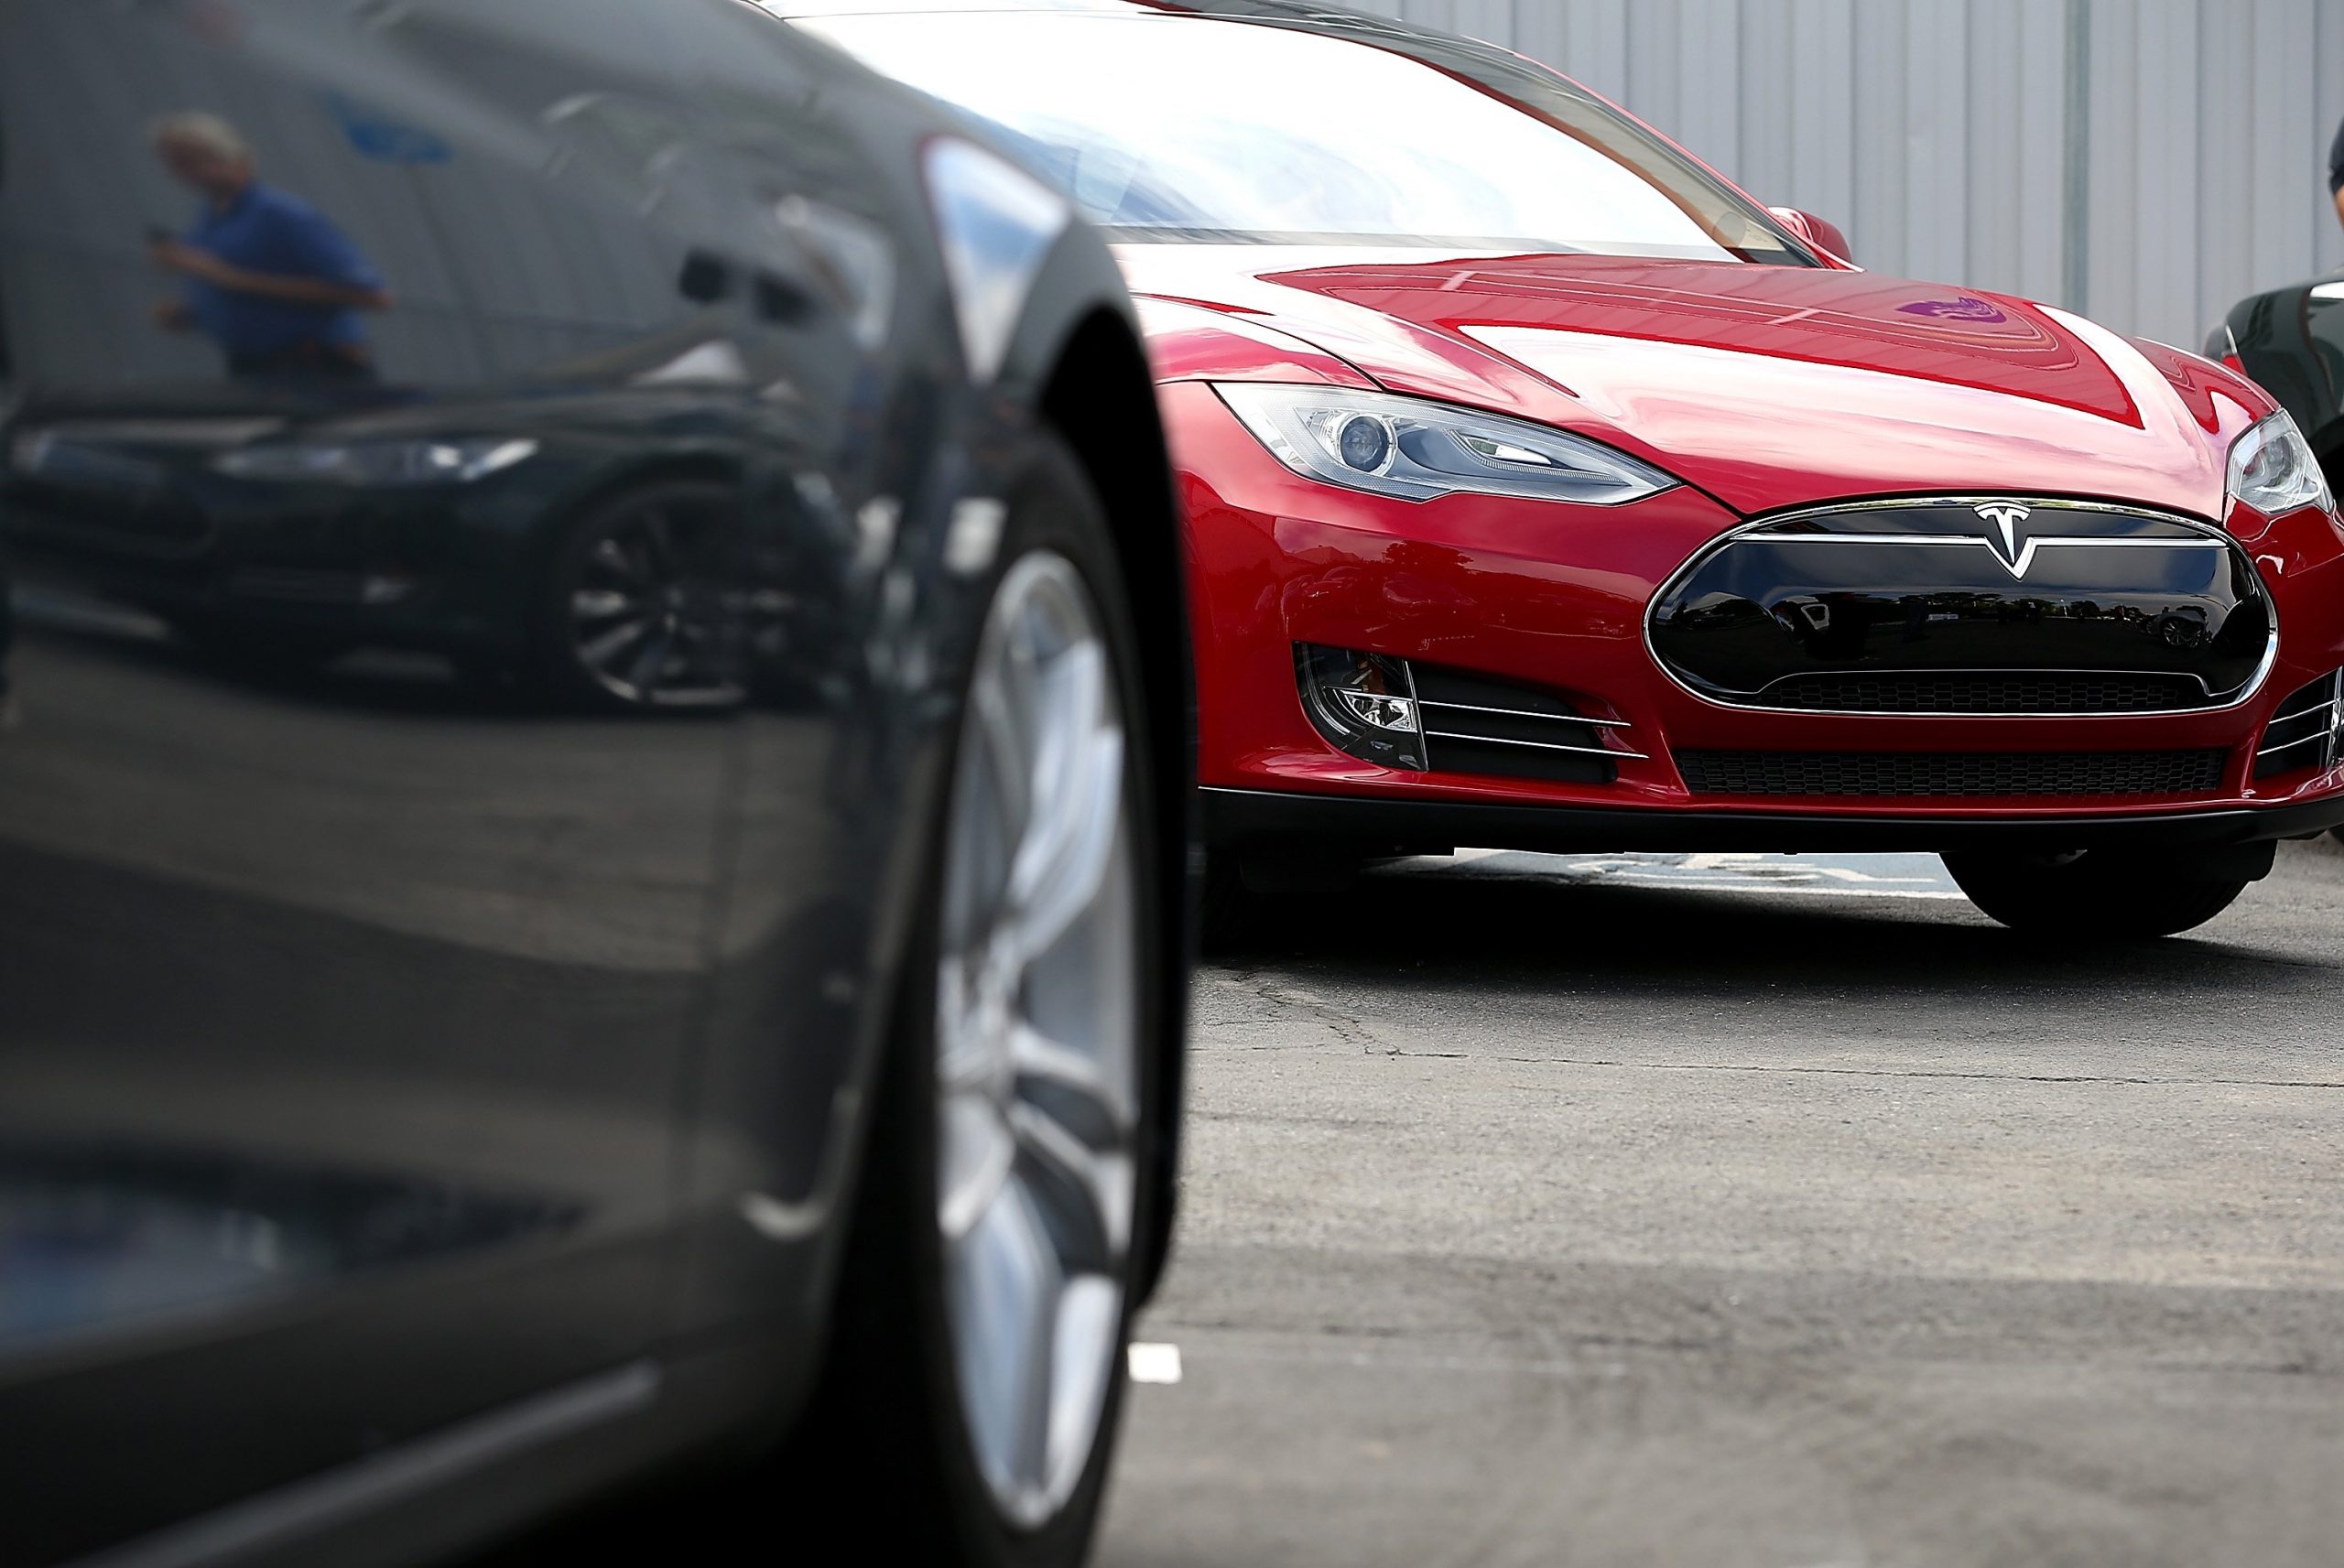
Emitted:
pixel 421 1107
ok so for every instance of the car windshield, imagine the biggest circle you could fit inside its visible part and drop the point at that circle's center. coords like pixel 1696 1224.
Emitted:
pixel 1173 128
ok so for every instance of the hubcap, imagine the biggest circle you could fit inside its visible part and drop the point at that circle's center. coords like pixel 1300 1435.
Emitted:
pixel 645 622
pixel 1037 1023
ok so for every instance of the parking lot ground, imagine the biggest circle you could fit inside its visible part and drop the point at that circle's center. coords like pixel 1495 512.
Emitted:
pixel 1737 1210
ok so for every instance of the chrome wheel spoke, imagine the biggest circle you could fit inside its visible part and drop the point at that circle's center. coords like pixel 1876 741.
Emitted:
pixel 601 650
pixel 1069 1086
pixel 651 662
pixel 1007 1290
pixel 1004 749
pixel 1070 836
pixel 980 1152
pixel 602 604
pixel 971 1056
pixel 1084 1192
pixel 611 557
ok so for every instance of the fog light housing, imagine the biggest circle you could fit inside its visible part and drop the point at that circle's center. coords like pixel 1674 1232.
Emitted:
pixel 1377 710
pixel 1364 704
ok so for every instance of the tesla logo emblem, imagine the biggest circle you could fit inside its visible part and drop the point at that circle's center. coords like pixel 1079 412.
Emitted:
pixel 2006 515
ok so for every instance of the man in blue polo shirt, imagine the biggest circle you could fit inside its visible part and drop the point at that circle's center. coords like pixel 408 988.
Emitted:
pixel 263 275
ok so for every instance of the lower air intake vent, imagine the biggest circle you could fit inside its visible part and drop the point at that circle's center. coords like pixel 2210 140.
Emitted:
pixel 2303 732
pixel 1474 724
pixel 1427 718
pixel 1951 772
pixel 1988 693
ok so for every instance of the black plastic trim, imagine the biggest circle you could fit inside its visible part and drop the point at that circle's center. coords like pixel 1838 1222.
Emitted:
pixel 1236 816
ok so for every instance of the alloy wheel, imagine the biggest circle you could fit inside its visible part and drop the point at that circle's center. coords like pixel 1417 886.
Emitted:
pixel 1038 1054
pixel 648 620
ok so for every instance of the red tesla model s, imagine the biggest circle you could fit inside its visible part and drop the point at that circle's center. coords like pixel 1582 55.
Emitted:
pixel 1546 491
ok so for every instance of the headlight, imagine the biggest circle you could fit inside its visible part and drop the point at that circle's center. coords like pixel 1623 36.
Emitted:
pixel 372 464
pixel 1414 450
pixel 2273 470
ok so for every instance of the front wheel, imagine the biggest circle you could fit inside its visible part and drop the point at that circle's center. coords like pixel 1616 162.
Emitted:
pixel 970 1400
pixel 2101 893
pixel 636 616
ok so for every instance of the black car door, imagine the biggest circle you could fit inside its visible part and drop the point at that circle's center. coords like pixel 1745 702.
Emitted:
pixel 350 957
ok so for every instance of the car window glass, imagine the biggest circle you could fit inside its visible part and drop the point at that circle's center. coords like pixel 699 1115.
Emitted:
pixel 1208 129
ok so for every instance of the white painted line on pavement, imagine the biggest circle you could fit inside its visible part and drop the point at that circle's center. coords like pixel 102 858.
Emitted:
pixel 1753 885
pixel 1155 1363
pixel 1870 876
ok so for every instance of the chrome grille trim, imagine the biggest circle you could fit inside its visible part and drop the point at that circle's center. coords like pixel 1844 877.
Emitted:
pixel 2291 745
pixel 1540 745
pixel 1525 713
pixel 2318 702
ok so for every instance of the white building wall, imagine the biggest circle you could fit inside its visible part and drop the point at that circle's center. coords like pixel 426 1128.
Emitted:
pixel 1936 132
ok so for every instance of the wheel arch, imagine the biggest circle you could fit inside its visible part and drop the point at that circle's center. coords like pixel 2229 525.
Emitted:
pixel 1100 399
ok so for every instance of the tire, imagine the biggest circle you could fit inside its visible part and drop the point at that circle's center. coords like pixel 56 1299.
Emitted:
pixel 2097 893
pixel 903 1445
pixel 633 618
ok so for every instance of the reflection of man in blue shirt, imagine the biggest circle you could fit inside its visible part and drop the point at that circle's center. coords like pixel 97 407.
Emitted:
pixel 266 276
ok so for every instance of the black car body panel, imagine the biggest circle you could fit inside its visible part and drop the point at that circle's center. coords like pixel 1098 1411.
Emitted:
pixel 2291 340
pixel 388 1058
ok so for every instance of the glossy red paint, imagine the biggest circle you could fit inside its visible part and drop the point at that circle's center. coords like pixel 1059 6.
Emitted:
pixel 1190 343
pixel 1770 387
pixel 1765 388
pixel 1820 235
pixel 1556 595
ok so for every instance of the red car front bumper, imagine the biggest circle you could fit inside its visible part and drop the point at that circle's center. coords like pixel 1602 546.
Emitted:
pixel 1556 598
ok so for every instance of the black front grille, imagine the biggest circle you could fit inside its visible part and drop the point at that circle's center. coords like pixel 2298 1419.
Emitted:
pixel 1984 692
pixel 1951 772
pixel 2301 732
pixel 1840 607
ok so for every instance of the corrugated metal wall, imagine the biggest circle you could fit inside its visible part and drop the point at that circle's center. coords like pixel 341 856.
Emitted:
pixel 1938 133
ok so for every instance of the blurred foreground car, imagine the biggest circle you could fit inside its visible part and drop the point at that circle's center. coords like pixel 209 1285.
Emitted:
pixel 421 1105
pixel 1547 492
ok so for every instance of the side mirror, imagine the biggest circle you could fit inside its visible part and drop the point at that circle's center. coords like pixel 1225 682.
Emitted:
pixel 1819 233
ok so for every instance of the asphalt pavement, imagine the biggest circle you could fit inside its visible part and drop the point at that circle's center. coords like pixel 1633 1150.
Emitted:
pixel 1740 1210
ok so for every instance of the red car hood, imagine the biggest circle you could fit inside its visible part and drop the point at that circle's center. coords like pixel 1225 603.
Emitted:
pixel 1766 386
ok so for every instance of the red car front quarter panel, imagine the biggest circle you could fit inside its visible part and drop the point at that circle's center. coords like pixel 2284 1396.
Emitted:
pixel 1555 595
